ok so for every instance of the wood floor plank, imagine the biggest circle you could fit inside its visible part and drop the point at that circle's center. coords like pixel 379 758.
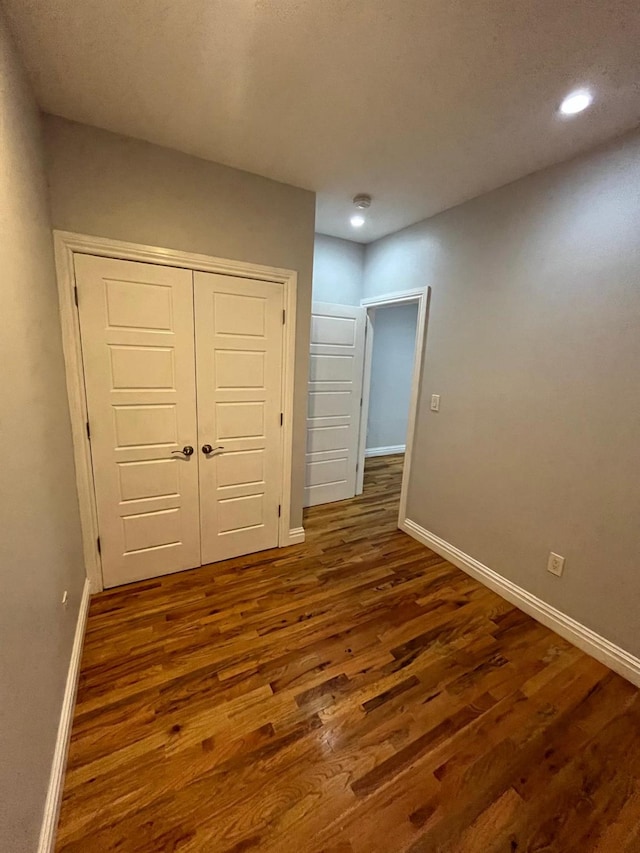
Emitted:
pixel 354 693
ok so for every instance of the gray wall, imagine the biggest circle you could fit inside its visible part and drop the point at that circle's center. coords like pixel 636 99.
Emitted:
pixel 338 267
pixel 40 547
pixel 108 185
pixel 534 345
pixel 391 374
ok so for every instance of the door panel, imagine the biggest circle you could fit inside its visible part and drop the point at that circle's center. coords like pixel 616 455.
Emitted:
pixel 239 335
pixel 137 330
pixel 335 386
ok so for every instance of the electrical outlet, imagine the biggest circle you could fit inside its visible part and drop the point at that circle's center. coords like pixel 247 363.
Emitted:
pixel 555 564
pixel 435 402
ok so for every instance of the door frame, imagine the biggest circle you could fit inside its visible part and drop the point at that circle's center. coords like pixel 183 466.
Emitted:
pixel 364 400
pixel 421 296
pixel 68 243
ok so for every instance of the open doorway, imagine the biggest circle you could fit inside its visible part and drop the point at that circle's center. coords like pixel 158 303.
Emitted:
pixel 347 384
pixel 387 378
pixel 394 344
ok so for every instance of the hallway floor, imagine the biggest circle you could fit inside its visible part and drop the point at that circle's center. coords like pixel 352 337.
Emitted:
pixel 355 693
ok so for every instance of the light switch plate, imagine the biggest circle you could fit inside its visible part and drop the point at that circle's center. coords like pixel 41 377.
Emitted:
pixel 435 402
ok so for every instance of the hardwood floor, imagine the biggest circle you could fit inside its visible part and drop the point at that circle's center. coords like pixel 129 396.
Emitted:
pixel 356 693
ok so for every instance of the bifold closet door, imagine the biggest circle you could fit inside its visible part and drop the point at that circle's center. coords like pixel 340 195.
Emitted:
pixel 137 329
pixel 239 349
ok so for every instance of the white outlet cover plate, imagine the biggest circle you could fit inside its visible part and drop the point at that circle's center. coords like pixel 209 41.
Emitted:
pixel 555 565
pixel 435 402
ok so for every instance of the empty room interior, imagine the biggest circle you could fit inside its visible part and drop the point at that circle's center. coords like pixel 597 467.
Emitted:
pixel 320 420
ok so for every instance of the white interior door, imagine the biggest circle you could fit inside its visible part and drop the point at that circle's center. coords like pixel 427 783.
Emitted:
pixel 335 388
pixel 239 343
pixel 136 322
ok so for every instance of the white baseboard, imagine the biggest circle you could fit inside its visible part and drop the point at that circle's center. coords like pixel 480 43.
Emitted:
pixel 385 451
pixel 296 536
pixel 56 780
pixel 584 638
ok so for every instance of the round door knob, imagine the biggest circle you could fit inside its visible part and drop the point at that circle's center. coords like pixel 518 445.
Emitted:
pixel 206 448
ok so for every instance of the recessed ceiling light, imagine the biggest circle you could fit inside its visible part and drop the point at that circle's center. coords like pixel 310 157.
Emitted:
pixel 576 102
pixel 357 221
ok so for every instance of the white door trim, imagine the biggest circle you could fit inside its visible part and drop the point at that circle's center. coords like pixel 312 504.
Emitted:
pixel 67 243
pixel 422 296
pixel 397 298
pixel 366 393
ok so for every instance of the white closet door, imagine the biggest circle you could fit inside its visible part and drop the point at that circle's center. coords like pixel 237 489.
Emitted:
pixel 335 388
pixel 239 335
pixel 136 323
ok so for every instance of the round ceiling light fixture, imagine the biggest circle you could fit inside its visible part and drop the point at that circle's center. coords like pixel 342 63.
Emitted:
pixel 576 102
pixel 361 202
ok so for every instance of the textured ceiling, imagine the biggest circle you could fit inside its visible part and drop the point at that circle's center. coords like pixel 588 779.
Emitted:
pixel 421 103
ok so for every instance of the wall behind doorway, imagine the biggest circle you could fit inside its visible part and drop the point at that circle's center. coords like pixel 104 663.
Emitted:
pixel 40 546
pixel 109 185
pixel 391 374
